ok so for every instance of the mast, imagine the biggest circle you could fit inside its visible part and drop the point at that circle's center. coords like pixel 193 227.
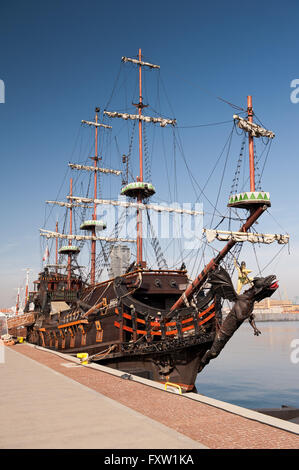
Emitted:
pixel 56 248
pixel 139 197
pixel 251 146
pixel 18 301
pixel 88 225
pixel 94 216
pixel 69 261
pixel 27 286
pixel 140 189
pixel 140 106
pixel 255 202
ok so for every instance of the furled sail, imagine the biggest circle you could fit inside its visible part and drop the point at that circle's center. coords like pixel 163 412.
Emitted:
pixel 254 129
pixel 50 234
pixel 75 166
pixel 69 205
pixel 267 238
pixel 96 124
pixel 137 205
pixel 140 62
pixel 162 121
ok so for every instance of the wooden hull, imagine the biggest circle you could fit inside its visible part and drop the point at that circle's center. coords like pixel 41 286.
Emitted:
pixel 125 326
pixel 178 366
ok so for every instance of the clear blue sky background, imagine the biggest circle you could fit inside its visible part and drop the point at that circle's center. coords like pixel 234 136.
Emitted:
pixel 59 59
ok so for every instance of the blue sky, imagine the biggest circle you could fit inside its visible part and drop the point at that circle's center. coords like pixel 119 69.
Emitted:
pixel 60 59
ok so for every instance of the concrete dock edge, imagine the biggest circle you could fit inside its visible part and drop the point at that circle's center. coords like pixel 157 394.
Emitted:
pixel 230 408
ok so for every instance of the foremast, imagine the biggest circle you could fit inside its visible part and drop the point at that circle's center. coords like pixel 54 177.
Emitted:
pixel 255 202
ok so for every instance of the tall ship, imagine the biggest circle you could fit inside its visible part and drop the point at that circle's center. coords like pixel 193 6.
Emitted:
pixel 126 312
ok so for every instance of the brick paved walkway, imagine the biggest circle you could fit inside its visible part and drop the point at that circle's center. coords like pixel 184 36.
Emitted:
pixel 213 427
pixel 43 409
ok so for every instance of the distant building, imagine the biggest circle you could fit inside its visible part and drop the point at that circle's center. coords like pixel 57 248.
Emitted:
pixel 280 306
pixel 119 259
pixel 6 310
pixel 272 309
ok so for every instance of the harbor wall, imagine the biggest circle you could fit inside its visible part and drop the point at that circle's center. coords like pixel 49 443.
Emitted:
pixel 269 314
pixel 275 316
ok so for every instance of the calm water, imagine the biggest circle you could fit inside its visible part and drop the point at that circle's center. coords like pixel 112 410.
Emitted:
pixel 255 371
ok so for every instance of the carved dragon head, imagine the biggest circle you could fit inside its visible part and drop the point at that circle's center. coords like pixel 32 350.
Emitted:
pixel 264 287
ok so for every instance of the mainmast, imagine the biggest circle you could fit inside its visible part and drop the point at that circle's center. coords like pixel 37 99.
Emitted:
pixel 94 216
pixel 140 189
pixel 56 248
pixel 69 261
pixel 140 106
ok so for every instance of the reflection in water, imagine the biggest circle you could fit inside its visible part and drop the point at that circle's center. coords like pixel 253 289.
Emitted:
pixel 255 371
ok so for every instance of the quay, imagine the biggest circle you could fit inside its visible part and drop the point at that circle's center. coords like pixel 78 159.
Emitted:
pixel 49 400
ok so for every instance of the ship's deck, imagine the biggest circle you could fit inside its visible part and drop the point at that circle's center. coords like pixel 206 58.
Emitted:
pixel 54 402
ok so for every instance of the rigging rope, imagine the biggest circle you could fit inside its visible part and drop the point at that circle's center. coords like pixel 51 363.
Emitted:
pixel 156 245
pixel 257 174
pixel 273 258
pixel 235 183
pixel 225 164
pixel 204 125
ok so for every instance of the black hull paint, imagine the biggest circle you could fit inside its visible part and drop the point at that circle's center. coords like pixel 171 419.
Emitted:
pixel 179 366
pixel 125 324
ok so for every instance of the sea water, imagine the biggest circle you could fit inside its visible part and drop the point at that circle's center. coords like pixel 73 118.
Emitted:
pixel 256 371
